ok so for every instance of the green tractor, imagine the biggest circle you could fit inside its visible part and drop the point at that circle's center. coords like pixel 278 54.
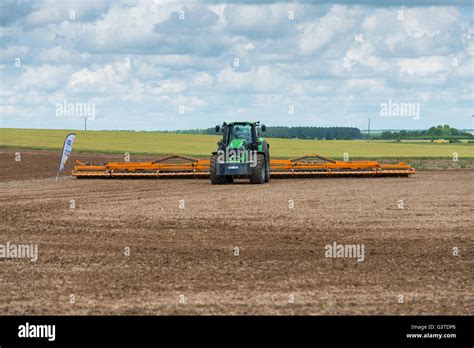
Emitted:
pixel 241 153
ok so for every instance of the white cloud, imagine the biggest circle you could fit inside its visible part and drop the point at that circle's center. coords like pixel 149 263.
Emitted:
pixel 261 79
pixel 52 11
pixel 191 101
pixel 424 66
pixel 44 77
pixel 365 85
pixel 171 86
pixel 61 55
pixel 337 21
pixel 414 31
pixel 257 20
pixel 202 78
pixel 11 52
pixel 110 78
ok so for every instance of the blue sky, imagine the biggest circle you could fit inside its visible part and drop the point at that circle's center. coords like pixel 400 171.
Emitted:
pixel 155 65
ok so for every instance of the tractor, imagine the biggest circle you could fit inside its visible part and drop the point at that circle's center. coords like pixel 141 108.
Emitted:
pixel 242 153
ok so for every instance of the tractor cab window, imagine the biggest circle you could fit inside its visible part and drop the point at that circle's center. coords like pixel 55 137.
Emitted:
pixel 241 132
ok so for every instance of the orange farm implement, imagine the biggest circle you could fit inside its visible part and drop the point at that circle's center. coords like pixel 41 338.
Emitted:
pixel 182 166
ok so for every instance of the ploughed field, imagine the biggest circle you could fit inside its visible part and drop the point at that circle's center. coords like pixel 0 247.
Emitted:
pixel 184 246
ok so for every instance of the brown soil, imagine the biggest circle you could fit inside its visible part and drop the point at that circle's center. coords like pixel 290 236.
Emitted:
pixel 188 254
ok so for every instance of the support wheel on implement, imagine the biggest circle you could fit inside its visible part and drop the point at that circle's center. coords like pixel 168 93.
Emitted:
pixel 216 179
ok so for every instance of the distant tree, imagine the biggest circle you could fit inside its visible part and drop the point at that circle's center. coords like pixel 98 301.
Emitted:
pixel 386 135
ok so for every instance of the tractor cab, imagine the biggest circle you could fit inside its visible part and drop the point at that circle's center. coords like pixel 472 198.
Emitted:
pixel 240 134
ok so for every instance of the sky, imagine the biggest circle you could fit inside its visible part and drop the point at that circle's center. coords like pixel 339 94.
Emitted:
pixel 165 65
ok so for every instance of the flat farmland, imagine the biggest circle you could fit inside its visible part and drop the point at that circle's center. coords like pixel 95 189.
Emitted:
pixel 156 143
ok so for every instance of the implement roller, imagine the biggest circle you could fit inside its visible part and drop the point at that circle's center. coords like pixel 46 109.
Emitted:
pixel 241 153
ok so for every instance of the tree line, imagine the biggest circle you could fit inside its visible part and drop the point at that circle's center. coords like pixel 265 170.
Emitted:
pixel 438 132
pixel 330 133
pixel 348 133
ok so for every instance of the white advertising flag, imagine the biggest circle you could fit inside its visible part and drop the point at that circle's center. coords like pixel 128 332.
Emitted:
pixel 67 149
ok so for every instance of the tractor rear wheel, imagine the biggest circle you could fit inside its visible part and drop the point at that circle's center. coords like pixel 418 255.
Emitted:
pixel 216 179
pixel 259 171
pixel 267 169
